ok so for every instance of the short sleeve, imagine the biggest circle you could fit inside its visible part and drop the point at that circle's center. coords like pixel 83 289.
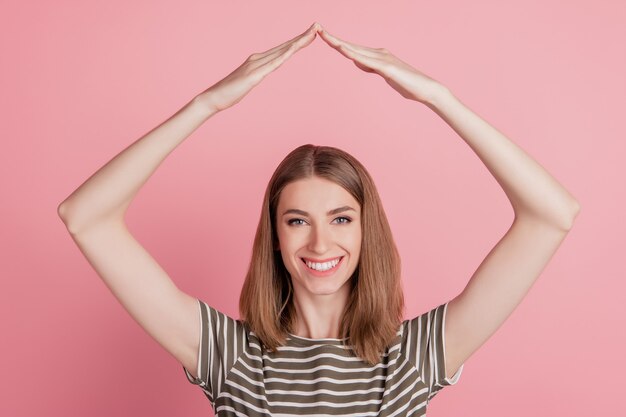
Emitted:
pixel 425 346
pixel 221 342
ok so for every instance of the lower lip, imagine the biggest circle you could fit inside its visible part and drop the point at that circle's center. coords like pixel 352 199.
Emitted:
pixel 323 273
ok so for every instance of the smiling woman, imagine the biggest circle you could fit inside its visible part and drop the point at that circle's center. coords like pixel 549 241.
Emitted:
pixel 321 206
pixel 321 329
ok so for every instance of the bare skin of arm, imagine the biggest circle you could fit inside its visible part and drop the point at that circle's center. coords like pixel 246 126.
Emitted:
pixel 94 213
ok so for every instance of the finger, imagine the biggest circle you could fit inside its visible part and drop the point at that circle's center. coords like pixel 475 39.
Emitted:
pixel 300 41
pixel 364 62
pixel 311 29
pixel 335 42
pixel 367 59
pixel 268 64
pixel 293 46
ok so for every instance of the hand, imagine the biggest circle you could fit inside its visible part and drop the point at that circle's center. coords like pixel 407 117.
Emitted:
pixel 405 79
pixel 238 83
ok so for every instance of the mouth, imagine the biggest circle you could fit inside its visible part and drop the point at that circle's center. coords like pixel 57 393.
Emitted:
pixel 325 273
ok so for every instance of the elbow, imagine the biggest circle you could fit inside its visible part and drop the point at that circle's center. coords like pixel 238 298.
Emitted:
pixel 62 211
pixel 562 219
pixel 568 221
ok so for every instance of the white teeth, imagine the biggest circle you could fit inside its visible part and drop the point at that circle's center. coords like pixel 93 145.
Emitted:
pixel 322 266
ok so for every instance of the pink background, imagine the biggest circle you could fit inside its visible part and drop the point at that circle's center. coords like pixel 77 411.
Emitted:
pixel 80 82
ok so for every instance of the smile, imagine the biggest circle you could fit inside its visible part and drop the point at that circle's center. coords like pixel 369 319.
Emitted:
pixel 323 269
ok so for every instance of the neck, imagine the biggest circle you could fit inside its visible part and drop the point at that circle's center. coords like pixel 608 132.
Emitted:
pixel 319 316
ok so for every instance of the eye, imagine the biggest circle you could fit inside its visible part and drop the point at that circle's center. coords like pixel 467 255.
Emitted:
pixel 349 220
pixel 294 221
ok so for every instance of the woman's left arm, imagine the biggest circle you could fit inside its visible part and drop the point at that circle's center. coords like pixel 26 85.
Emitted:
pixel 544 209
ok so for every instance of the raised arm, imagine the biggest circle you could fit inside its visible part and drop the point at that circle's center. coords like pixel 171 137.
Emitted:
pixel 94 213
pixel 544 209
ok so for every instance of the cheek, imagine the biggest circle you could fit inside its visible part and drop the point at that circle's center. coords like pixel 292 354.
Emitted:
pixel 290 242
pixel 357 239
pixel 283 237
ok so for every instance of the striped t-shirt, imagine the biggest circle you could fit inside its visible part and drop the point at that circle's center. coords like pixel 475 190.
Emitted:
pixel 319 376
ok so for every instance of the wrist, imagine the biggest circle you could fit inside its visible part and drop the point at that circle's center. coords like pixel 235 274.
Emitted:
pixel 438 95
pixel 204 102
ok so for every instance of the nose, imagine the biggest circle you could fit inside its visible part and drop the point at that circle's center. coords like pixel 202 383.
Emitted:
pixel 319 239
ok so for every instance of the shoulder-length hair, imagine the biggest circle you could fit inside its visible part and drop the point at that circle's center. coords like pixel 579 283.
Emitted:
pixel 375 306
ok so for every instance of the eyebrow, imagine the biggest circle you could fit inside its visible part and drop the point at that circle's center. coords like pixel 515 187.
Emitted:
pixel 330 213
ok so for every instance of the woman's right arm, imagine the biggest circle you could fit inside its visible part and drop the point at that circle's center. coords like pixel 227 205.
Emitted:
pixel 94 212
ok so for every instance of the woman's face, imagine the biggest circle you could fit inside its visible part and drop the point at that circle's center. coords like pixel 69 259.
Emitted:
pixel 318 220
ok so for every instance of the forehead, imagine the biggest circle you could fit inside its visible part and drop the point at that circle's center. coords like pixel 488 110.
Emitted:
pixel 315 194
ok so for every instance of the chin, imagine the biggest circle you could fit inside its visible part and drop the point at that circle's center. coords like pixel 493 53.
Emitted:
pixel 324 288
pixel 324 291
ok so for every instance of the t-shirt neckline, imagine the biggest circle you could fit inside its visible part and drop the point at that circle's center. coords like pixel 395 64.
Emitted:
pixel 320 341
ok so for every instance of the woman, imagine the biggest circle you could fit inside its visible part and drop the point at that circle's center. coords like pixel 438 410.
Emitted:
pixel 321 330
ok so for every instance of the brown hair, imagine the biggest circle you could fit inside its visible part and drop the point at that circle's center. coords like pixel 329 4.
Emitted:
pixel 375 306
